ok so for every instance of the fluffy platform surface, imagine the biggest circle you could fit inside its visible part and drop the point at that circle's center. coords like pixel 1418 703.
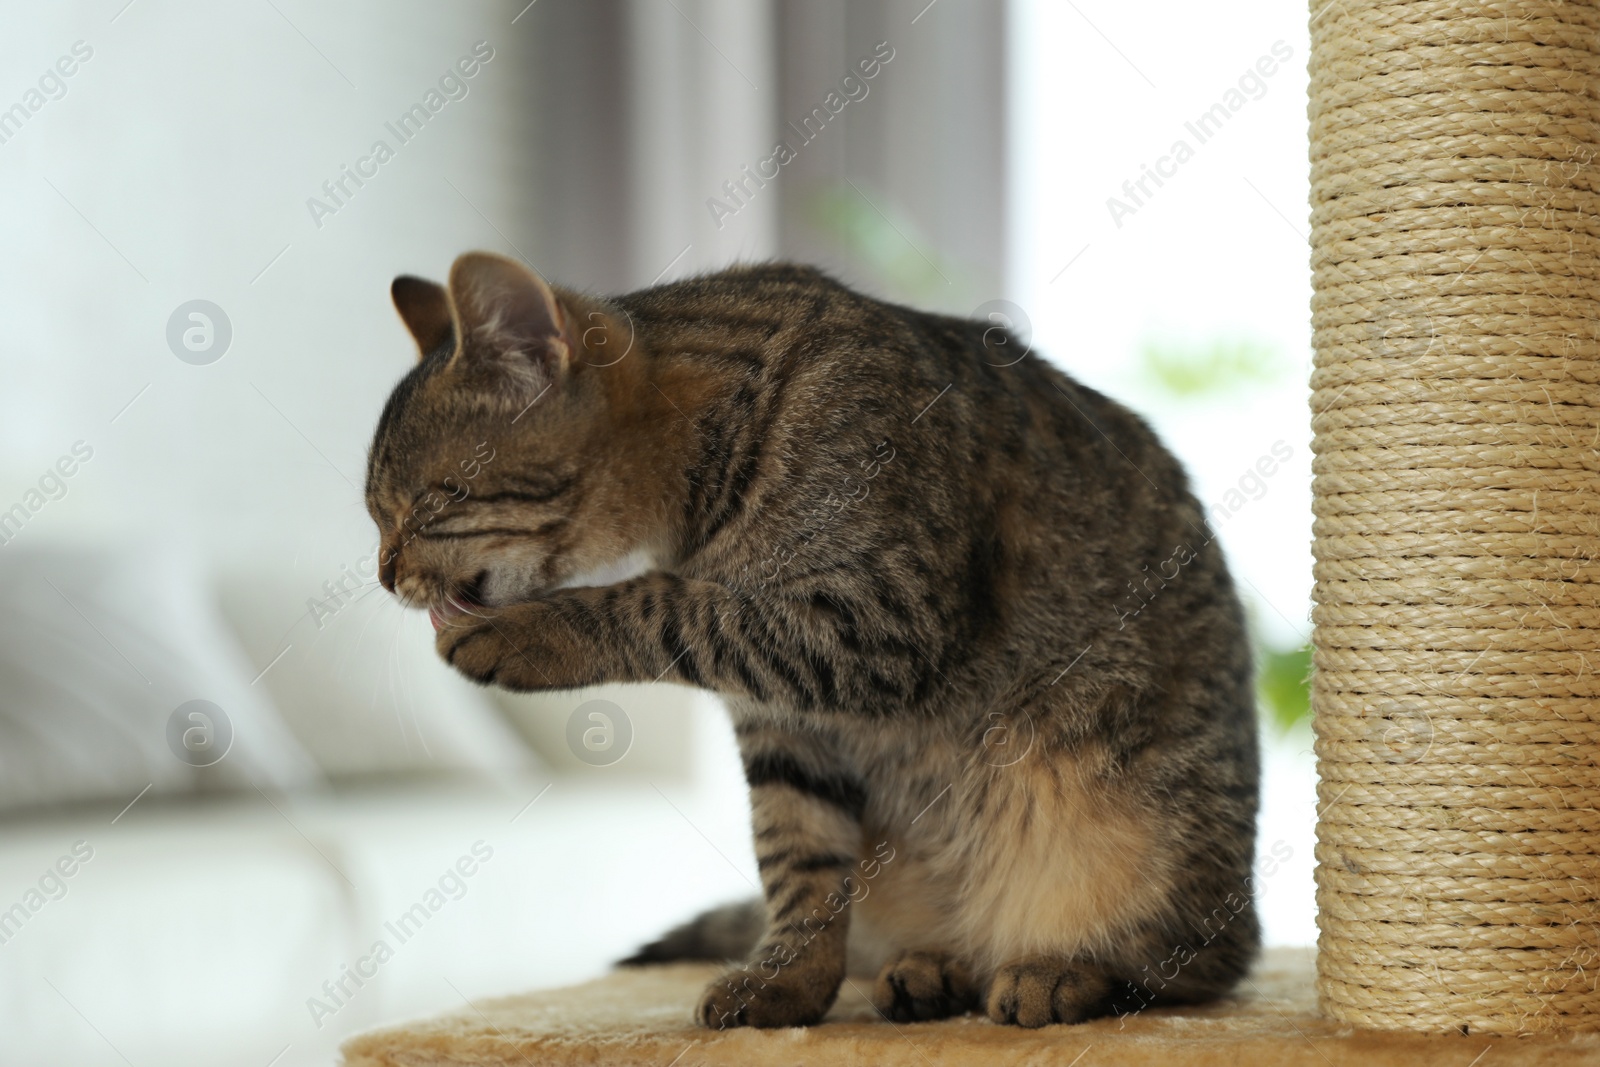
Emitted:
pixel 642 1017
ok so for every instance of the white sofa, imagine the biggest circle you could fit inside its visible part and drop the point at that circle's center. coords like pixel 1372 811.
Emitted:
pixel 200 931
pixel 237 918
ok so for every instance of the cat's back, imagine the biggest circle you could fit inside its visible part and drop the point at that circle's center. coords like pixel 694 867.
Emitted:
pixel 829 372
pixel 757 300
pixel 792 321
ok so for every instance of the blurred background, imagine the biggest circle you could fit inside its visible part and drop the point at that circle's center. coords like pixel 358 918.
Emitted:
pixel 230 766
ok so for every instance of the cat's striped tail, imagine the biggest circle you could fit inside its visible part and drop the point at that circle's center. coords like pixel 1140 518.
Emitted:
pixel 729 932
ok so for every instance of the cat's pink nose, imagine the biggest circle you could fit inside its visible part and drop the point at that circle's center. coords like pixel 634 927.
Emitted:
pixel 386 560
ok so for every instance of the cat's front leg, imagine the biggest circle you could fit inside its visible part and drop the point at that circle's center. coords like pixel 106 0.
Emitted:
pixel 657 627
pixel 627 632
pixel 805 812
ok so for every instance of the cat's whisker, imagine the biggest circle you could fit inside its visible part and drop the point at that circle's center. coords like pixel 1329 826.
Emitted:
pixel 357 599
pixel 466 607
pixel 363 594
pixel 365 625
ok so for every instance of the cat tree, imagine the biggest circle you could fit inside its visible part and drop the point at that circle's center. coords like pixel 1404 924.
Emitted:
pixel 1456 406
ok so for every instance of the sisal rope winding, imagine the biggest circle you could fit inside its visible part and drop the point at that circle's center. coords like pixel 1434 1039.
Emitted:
pixel 1456 410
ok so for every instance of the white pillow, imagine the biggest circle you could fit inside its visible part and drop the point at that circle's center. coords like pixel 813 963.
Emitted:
pixel 362 687
pixel 98 651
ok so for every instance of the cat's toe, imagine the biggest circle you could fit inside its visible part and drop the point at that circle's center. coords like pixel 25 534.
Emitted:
pixel 1041 990
pixel 917 986
pixel 794 998
pixel 720 1006
pixel 473 649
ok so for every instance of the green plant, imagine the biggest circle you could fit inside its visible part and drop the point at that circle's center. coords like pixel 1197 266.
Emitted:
pixel 1186 369
pixel 1283 684
pixel 894 250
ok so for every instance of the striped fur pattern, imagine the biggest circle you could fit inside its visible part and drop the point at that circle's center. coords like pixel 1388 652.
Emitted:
pixel 986 667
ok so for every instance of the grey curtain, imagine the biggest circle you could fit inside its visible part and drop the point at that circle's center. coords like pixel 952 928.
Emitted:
pixel 670 136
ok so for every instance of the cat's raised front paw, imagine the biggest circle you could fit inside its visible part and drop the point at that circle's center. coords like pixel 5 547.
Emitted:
pixel 481 648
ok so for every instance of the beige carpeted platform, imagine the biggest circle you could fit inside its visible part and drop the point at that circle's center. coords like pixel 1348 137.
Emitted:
pixel 641 1017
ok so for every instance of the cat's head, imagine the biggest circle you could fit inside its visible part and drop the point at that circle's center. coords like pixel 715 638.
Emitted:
pixel 507 461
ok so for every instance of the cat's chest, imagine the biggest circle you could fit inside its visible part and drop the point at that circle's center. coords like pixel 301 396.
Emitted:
pixel 639 561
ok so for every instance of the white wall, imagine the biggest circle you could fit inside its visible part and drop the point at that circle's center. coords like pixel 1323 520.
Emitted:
pixel 178 166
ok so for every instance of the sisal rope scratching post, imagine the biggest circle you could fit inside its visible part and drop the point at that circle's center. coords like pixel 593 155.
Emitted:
pixel 1456 407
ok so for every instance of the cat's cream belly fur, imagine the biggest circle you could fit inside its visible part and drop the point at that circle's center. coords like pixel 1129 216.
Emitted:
pixel 1061 871
pixel 1050 868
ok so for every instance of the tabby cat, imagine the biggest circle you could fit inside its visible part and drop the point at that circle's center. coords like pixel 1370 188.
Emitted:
pixel 986 667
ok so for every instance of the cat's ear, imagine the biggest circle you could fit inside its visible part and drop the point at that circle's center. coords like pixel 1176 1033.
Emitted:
pixel 425 309
pixel 508 317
